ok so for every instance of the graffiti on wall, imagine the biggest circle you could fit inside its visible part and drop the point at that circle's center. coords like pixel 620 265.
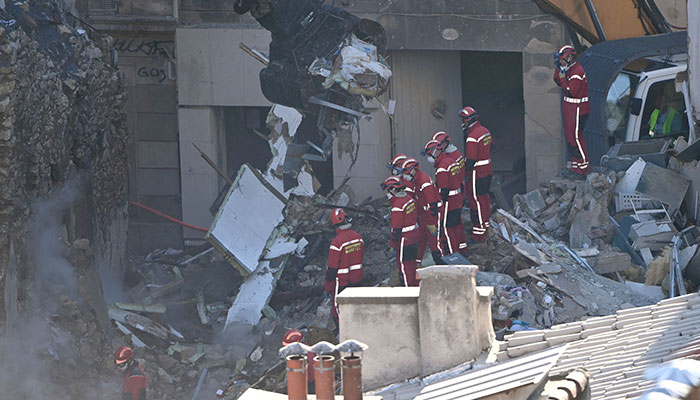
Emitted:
pixel 144 47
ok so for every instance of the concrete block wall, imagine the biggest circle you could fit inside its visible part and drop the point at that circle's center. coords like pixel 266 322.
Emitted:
pixel 418 331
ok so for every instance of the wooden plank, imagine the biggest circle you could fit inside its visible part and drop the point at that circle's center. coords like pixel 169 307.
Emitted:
pixel 663 185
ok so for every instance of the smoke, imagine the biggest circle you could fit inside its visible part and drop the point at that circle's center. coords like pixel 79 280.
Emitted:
pixel 48 350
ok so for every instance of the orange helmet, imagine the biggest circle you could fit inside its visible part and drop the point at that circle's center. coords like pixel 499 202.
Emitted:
pixel 396 162
pixel 123 354
pixel 409 165
pixel 293 335
pixel 392 183
pixel 430 146
pixel 338 216
pixel 565 51
pixel 469 116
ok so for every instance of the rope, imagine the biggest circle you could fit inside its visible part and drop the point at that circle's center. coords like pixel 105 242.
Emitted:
pixel 169 218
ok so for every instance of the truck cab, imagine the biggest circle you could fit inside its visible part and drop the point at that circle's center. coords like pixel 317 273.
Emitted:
pixel 644 102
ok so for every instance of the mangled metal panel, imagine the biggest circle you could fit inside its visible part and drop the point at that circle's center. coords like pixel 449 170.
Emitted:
pixel 246 219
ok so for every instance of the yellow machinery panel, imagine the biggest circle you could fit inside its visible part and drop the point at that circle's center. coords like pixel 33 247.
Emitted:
pixel 619 19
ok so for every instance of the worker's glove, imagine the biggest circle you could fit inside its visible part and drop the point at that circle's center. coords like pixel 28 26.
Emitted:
pixel 433 230
pixel 433 208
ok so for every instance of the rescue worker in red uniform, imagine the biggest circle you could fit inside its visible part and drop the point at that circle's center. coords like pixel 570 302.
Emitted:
pixel 395 169
pixel 449 179
pixel 345 256
pixel 404 229
pixel 134 384
pixel 479 172
pixel 571 78
pixel 294 336
pixel 427 200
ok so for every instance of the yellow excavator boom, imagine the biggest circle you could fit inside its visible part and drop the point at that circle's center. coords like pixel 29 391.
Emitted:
pixel 600 20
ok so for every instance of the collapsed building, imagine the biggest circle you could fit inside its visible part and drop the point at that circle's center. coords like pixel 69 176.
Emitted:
pixel 63 166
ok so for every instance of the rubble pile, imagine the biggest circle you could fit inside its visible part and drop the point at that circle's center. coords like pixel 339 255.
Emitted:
pixel 62 117
pixel 63 140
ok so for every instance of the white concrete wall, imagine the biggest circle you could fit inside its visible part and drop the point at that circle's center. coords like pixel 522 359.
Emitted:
pixel 386 319
pixel 213 70
pixel 420 79
pixel 375 151
pixel 694 56
pixel 199 182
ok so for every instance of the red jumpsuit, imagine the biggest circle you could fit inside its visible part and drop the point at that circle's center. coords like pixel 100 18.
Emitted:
pixel 427 200
pixel 575 109
pixel 404 237
pixel 345 256
pixel 449 179
pixel 134 383
pixel 479 171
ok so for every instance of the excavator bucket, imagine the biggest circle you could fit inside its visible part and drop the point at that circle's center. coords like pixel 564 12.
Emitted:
pixel 600 20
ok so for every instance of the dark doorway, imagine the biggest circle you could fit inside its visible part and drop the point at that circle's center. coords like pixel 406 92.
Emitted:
pixel 244 143
pixel 492 83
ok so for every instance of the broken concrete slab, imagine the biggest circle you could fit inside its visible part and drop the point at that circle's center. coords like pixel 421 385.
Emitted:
pixel 534 202
pixel 252 297
pixel 239 233
pixel 653 292
pixel 611 261
pixel 663 185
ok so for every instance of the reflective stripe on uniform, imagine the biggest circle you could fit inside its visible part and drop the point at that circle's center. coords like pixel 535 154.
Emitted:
pixel 403 267
pixel 350 268
pixel 578 77
pixel 409 228
pixel 575 100
pixel 578 142
pixel 455 192
pixel 425 185
pixel 482 163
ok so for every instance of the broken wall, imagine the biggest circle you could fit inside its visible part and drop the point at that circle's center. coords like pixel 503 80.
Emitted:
pixel 62 119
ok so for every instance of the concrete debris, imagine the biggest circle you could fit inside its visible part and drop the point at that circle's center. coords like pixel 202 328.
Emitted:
pixel 611 261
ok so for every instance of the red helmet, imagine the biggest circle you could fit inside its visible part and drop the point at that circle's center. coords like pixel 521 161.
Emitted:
pixel 442 138
pixel 430 146
pixel 392 183
pixel 409 165
pixel 469 116
pixel 123 354
pixel 565 51
pixel 293 335
pixel 396 162
pixel 338 216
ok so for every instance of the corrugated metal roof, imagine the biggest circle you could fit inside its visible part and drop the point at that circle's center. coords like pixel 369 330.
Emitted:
pixel 603 62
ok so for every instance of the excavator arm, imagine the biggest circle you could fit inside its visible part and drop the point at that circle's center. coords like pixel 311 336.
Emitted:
pixel 601 20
